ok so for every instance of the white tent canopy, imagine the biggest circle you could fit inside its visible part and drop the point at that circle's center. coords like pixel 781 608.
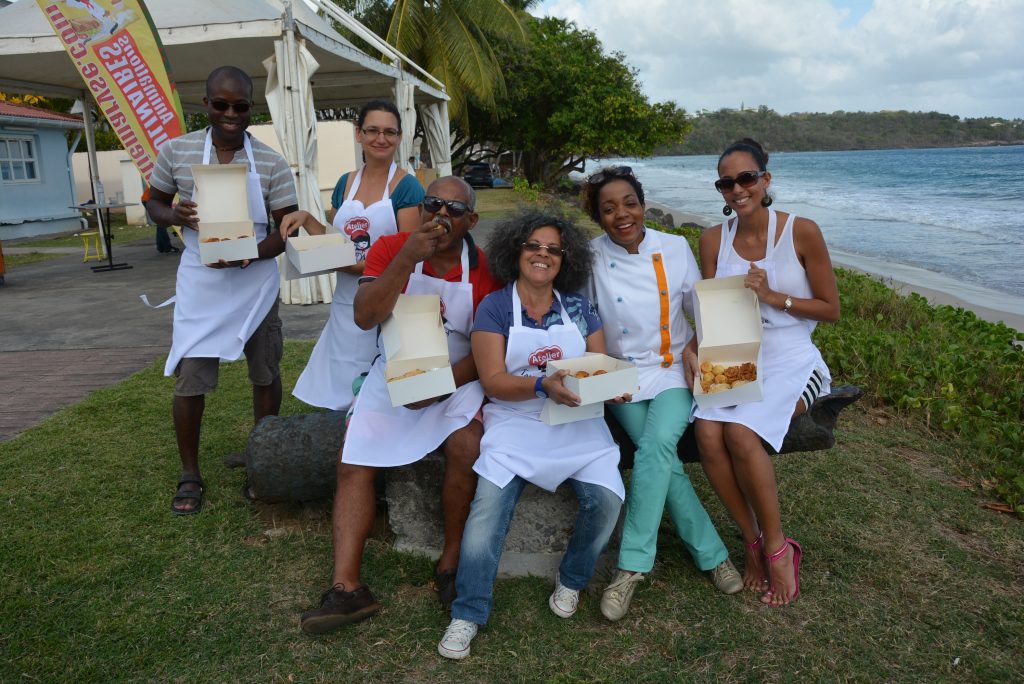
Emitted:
pixel 199 35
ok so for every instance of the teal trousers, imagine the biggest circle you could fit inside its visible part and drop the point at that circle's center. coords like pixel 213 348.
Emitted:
pixel 659 481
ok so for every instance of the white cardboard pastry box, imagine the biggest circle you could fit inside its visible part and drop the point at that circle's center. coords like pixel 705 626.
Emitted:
pixel 225 226
pixel 311 255
pixel 619 377
pixel 414 340
pixel 729 332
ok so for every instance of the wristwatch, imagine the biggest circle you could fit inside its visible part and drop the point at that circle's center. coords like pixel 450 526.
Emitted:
pixel 788 305
pixel 538 389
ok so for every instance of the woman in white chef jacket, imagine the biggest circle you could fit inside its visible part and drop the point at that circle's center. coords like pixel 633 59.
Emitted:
pixel 642 282
pixel 793 278
pixel 536 318
pixel 378 199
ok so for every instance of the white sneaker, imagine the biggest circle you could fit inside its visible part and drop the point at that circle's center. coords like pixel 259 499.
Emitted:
pixel 563 601
pixel 455 642
pixel 617 595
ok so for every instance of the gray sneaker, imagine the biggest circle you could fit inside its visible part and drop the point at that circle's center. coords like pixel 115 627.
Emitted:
pixel 617 595
pixel 726 578
pixel 455 642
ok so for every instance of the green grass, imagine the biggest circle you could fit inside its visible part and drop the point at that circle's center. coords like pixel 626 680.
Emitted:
pixel 13 261
pixel 905 577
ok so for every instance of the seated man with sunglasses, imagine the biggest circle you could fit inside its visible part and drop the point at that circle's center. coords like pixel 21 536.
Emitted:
pixel 439 258
pixel 221 311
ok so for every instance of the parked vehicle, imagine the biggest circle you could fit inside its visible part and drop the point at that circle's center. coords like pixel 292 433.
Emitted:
pixel 478 174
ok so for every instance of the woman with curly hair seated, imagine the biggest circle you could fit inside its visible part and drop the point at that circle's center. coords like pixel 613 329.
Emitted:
pixel 537 317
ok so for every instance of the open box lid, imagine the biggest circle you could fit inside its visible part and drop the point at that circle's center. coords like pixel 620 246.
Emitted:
pixel 221 192
pixel 726 313
pixel 414 329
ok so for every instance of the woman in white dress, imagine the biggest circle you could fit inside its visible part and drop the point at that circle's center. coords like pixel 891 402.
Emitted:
pixel 537 317
pixel 787 265
pixel 378 199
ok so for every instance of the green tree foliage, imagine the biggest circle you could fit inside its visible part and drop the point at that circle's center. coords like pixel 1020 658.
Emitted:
pixel 458 41
pixel 712 131
pixel 568 100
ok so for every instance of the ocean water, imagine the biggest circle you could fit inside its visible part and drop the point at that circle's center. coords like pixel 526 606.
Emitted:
pixel 950 219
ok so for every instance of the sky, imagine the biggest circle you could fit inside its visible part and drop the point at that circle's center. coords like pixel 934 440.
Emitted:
pixel 960 57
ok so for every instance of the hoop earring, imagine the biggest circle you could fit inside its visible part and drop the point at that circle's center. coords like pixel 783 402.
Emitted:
pixel 766 201
pixel 726 210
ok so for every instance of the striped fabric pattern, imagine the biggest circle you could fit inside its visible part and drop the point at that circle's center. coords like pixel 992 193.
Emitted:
pixel 813 389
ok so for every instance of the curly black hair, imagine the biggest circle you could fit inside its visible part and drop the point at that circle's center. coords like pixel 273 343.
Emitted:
pixel 506 243
pixel 592 188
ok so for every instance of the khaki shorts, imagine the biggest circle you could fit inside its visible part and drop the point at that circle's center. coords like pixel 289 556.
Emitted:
pixel 263 351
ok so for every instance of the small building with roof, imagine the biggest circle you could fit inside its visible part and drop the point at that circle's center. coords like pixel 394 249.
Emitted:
pixel 37 184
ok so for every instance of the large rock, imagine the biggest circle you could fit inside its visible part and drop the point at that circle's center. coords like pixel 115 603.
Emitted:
pixel 294 457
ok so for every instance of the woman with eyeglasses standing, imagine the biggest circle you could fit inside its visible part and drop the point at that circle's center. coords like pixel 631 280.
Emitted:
pixel 786 263
pixel 642 283
pixel 536 318
pixel 378 199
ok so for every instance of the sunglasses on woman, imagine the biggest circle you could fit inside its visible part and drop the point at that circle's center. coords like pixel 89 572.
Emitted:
pixel 610 172
pixel 222 106
pixel 455 207
pixel 553 250
pixel 744 180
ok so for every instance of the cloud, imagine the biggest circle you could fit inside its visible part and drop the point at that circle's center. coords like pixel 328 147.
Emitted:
pixel 955 56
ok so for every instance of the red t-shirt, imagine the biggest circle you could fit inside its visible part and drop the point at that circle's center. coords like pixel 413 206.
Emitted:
pixel 387 247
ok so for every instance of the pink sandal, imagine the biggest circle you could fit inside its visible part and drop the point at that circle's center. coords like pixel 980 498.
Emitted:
pixel 797 553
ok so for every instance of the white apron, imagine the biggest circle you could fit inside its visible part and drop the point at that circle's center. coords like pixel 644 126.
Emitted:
pixel 381 435
pixel 517 442
pixel 787 354
pixel 217 310
pixel 344 350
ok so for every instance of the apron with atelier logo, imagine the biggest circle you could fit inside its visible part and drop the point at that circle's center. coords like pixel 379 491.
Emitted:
pixel 344 350
pixel 381 435
pixel 517 442
pixel 217 310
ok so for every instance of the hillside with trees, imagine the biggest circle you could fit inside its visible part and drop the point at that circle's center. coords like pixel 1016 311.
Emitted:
pixel 713 131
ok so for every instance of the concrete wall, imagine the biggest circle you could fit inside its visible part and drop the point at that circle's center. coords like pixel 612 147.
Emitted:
pixel 336 152
pixel 41 206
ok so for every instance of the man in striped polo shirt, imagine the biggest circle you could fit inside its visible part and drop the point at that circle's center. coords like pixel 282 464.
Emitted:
pixel 225 309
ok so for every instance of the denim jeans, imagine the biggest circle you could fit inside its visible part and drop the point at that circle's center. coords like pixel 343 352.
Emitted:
pixel 487 527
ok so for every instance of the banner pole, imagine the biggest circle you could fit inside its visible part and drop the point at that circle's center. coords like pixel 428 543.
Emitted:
pixel 94 169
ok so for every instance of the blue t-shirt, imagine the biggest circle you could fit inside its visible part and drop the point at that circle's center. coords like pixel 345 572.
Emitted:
pixel 408 193
pixel 495 313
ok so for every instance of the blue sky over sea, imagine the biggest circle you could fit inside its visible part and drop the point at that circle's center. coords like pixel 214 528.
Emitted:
pixel 954 56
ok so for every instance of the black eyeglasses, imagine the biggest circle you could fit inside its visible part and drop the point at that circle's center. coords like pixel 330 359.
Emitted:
pixel 389 133
pixel 455 207
pixel 223 106
pixel 610 172
pixel 553 250
pixel 745 180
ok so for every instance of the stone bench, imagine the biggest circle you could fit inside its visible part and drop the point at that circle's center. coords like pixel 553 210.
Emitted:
pixel 293 458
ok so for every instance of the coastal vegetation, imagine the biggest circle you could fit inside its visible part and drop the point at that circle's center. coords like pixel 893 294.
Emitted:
pixel 803 132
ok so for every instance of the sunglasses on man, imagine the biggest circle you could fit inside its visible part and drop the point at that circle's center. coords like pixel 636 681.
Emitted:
pixel 744 180
pixel 223 106
pixel 455 207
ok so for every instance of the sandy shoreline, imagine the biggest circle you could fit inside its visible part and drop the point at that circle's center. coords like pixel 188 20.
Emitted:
pixel 986 304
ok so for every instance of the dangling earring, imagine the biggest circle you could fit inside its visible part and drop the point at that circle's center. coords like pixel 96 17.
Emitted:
pixel 726 210
pixel 766 201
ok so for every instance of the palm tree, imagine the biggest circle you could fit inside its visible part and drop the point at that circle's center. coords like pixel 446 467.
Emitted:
pixel 452 39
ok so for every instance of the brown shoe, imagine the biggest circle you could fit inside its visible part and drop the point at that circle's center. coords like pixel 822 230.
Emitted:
pixel 338 608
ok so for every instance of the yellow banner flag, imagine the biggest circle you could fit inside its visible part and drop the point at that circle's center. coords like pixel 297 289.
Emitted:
pixel 115 46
